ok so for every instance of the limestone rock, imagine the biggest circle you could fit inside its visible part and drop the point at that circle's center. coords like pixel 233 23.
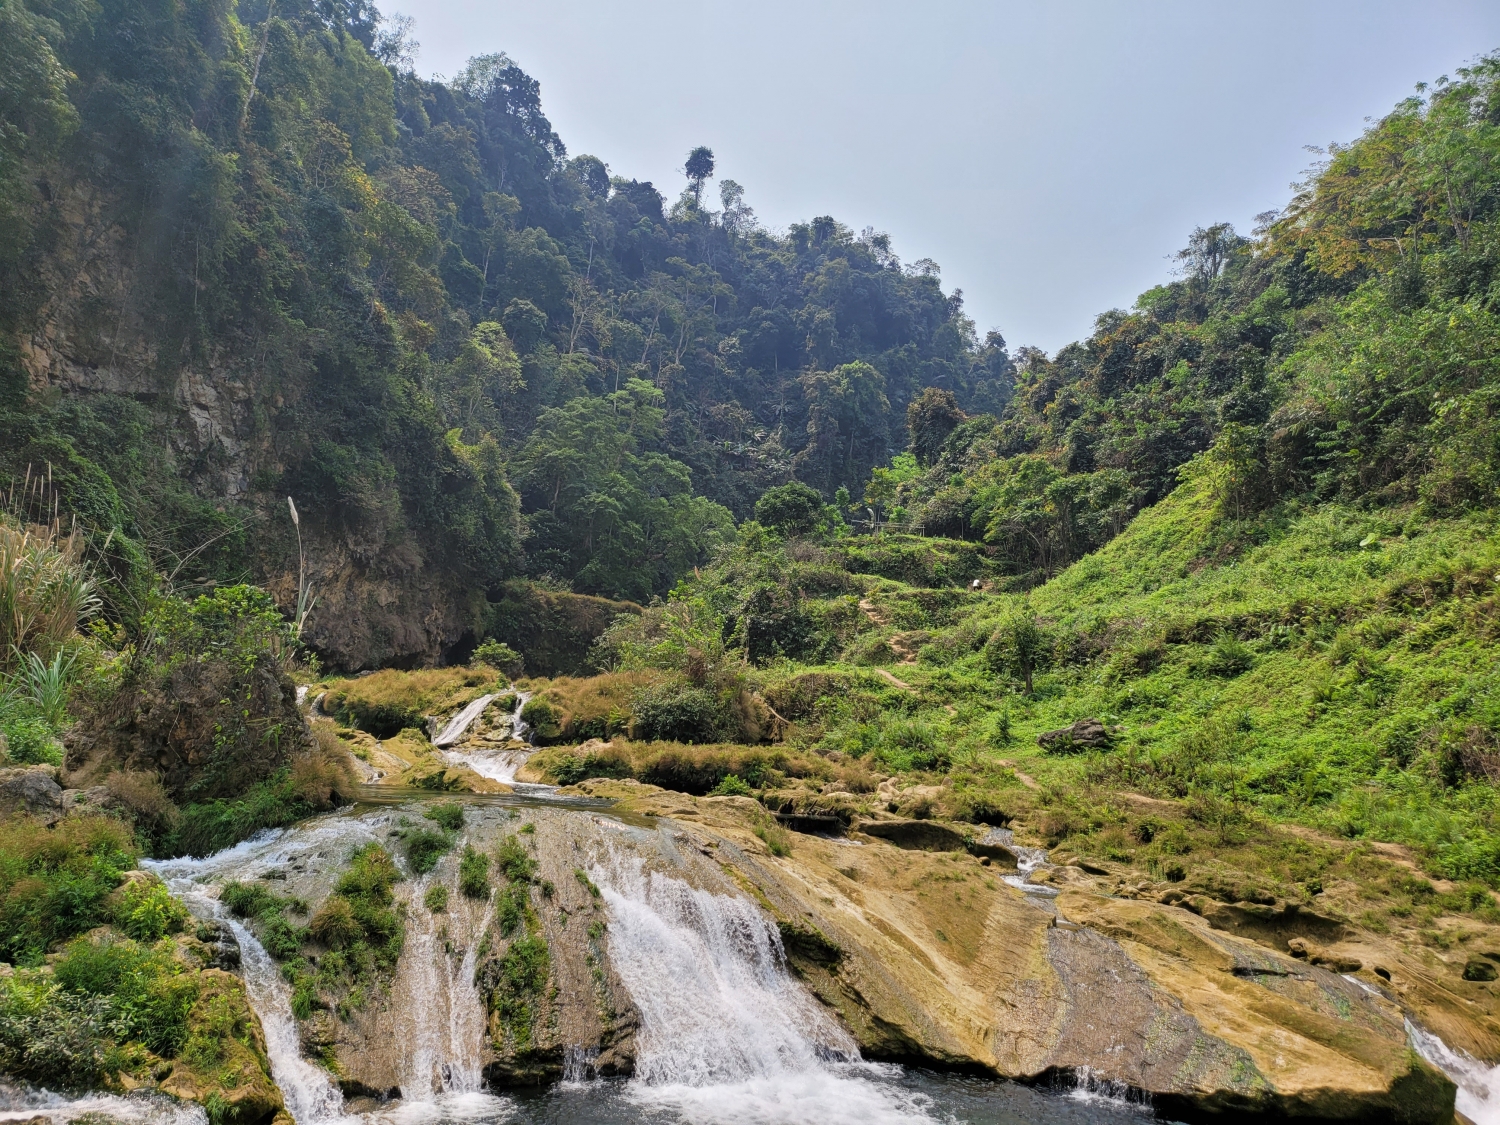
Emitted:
pixel 31 789
pixel 1085 734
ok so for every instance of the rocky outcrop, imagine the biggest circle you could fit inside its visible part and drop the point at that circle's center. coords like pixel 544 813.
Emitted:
pixel 31 789
pixel 928 957
pixel 1084 734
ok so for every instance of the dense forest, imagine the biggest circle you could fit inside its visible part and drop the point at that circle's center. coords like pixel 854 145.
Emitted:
pixel 248 253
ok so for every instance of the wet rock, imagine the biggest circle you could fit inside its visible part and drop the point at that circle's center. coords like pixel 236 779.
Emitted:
pixel 221 946
pixel 240 1078
pixel 31 789
pixel 1085 734
pixel 920 835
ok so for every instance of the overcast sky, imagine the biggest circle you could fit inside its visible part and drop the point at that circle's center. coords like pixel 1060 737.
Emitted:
pixel 1049 156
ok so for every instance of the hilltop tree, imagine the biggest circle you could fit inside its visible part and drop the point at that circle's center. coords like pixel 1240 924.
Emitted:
pixel 699 168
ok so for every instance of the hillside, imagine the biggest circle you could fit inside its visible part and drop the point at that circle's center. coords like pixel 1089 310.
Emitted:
pixel 247 253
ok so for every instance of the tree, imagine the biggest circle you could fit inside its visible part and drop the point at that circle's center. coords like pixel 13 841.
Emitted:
pixel 699 167
pixel 790 509
pixel 1018 647
pixel 930 418
pixel 1209 250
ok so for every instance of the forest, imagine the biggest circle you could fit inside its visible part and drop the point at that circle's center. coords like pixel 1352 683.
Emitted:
pixel 445 336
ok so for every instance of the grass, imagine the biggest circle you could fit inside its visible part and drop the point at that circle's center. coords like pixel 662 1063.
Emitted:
pixel 387 702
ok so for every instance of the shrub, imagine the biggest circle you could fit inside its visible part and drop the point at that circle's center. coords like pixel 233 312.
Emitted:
pixel 148 991
pixel 436 898
pixel 424 849
pixel 334 925
pixel 54 881
pixel 51 1036
pixel 515 864
pixel 249 900
pixel 500 656
pixel 677 711
pixel 146 911
pixel 1229 657
pixel 473 873
pixel 510 907
pixel 730 786
pixel 449 816
pixel 29 741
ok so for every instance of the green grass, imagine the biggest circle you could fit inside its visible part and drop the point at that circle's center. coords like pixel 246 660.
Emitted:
pixel 1324 665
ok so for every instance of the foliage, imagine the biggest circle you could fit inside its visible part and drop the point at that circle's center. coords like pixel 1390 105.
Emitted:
pixel 146 911
pixel 54 882
pixel 500 656
pixel 473 873
pixel 45 592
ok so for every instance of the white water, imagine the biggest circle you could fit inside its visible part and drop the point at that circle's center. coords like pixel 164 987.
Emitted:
pixel 310 1094
pixel 727 1035
pixel 463 720
pixel 440 1011
pixel 1478 1083
pixel 23 1105
pixel 500 765
pixel 1027 861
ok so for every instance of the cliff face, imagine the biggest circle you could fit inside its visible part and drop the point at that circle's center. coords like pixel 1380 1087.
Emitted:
pixel 217 425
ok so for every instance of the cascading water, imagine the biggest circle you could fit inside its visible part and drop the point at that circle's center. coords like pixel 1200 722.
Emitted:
pixel 501 765
pixel 442 1011
pixel 311 1097
pixel 727 1034
pixel 21 1105
pixel 463 721
pixel 1478 1083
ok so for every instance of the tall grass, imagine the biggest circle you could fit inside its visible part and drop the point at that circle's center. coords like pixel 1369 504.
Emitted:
pixel 45 591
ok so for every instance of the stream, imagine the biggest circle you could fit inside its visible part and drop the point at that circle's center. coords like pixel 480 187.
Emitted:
pixel 728 1036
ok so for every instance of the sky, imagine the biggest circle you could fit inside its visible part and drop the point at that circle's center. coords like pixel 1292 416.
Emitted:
pixel 1049 156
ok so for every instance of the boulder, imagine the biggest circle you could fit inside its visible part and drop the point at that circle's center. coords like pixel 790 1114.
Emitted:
pixel 31 789
pixel 1084 734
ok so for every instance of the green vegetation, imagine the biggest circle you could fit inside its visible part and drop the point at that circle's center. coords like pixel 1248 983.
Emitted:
pixel 1249 526
pixel 474 874
pixel 56 882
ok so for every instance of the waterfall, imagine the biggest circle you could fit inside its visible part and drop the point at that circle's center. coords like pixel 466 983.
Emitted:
pixel 463 720
pixel 442 1015
pixel 727 1034
pixel 1478 1083
pixel 500 765
pixel 310 1094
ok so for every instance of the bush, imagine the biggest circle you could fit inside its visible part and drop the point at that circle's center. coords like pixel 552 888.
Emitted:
pixel 146 911
pixel 473 873
pixel 249 900
pixel 334 925
pixel 515 864
pixel 54 881
pixel 436 898
pixel 500 656
pixel 29 741
pixel 53 1037
pixel 730 786
pixel 677 711
pixel 1229 657
pixel 148 991
pixel 424 849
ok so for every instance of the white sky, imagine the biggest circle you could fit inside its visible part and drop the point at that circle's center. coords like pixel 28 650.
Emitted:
pixel 1048 155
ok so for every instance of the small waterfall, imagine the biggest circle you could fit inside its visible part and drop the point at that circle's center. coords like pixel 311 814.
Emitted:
pixel 310 1094
pixel 463 721
pixel 727 1034
pixel 442 1013
pixel 311 1097
pixel 1027 861
pixel 1478 1083
pixel 500 765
